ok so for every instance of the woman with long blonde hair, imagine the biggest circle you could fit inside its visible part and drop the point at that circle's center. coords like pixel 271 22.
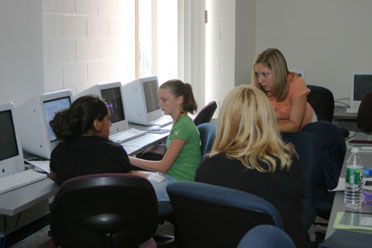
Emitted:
pixel 248 154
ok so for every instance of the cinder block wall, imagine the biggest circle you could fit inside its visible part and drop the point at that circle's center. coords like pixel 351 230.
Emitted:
pixel 83 43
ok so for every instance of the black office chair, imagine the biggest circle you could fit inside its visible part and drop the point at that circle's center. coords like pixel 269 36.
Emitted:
pixel 332 153
pixel 266 236
pixel 322 101
pixel 105 210
pixel 364 117
pixel 214 216
pixel 206 113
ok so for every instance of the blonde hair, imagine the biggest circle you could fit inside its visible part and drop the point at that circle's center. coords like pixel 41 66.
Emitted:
pixel 273 59
pixel 247 130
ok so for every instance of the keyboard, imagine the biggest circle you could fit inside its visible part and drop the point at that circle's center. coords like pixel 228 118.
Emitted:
pixel 351 111
pixel 162 121
pixel 19 179
pixel 126 135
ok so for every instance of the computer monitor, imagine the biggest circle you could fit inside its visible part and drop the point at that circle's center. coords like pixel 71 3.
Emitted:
pixel 34 116
pixel 141 100
pixel 361 84
pixel 11 155
pixel 111 94
pixel 299 72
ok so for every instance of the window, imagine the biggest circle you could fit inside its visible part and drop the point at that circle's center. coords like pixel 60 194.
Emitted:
pixel 156 39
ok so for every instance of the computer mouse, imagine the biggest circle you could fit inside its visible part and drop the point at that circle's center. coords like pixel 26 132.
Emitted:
pixel 154 128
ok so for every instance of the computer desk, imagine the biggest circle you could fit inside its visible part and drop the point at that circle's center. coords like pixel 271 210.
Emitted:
pixel 338 202
pixel 139 144
pixel 16 201
pixel 345 120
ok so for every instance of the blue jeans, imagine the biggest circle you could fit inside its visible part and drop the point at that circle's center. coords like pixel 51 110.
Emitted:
pixel 160 187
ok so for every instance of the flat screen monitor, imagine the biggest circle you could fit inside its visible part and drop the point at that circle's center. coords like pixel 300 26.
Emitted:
pixel 11 154
pixel 111 94
pixel 141 100
pixel 34 116
pixel 361 85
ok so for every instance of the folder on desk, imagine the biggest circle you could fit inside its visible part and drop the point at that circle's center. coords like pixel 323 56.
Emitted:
pixel 353 221
pixel 344 238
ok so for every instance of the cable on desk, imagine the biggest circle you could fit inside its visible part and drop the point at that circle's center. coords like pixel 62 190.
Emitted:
pixel 352 136
pixel 16 224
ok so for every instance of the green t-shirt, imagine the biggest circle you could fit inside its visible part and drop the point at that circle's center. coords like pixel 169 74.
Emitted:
pixel 183 168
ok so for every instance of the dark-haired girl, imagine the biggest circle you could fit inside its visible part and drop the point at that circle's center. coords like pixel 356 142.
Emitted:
pixel 85 149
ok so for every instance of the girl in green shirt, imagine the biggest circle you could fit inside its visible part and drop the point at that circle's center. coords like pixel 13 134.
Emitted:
pixel 183 153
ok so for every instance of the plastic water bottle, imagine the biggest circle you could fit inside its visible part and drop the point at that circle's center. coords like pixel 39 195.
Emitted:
pixel 354 180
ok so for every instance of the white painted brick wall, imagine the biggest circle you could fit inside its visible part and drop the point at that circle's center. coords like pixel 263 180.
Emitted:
pixel 108 49
pixel 87 50
pixel 53 77
pixel 88 7
pixel 82 42
pixel 62 51
pixel 108 7
pixel 97 72
pixel 52 26
pixel 74 27
pixel 114 27
pixel 97 27
pixel 75 74
pixel 58 6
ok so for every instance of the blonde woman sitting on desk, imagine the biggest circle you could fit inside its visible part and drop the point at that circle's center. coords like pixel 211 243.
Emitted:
pixel 183 153
pixel 286 90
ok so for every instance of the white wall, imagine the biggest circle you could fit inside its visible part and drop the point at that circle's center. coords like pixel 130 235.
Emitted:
pixel 21 61
pixel 245 44
pixel 220 61
pixel 327 39
pixel 84 45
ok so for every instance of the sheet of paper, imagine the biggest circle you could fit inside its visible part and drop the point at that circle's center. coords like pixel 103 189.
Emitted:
pixel 40 164
pixel 340 186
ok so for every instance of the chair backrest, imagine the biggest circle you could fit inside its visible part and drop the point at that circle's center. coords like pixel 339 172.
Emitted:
pixel 307 148
pixel 322 101
pixel 207 134
pixel 332 147
pixel 206 113
pixel 214 216
pixel 364 118
pixel 266 236
pixel 105 210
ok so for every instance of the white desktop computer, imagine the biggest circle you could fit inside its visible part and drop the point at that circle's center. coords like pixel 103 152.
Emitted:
pixel 142 104
pixel 11 155
pixel 111 94
pixel 361 84
pixel 33 118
